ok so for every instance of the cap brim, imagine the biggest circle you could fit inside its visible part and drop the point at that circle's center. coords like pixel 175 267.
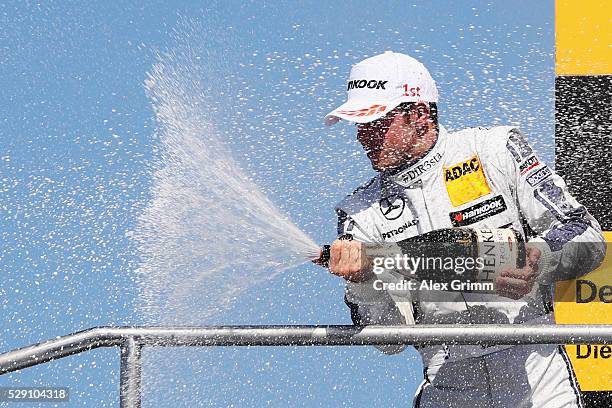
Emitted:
pixel 359 111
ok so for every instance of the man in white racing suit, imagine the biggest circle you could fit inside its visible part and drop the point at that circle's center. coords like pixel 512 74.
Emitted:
pixel 430 179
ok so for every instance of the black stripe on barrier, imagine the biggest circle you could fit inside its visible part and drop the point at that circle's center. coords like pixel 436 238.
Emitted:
pixel 583 141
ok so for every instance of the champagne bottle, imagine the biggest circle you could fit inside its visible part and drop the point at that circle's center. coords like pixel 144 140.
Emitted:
pixel 448 254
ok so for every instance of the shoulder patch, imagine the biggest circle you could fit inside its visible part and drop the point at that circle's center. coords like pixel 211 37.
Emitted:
pixel 530 163
pixel 538 176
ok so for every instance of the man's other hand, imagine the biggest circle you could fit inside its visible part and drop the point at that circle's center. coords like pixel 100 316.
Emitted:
pixel 347 260
pixel 516 283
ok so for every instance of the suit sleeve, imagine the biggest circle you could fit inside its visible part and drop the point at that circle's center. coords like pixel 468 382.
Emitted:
pixel 369 306
pixel 568 236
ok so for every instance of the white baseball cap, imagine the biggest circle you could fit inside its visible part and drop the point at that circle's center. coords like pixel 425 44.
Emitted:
pixel 379 84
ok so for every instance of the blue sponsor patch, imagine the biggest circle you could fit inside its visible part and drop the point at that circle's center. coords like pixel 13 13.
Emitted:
pixel 537 177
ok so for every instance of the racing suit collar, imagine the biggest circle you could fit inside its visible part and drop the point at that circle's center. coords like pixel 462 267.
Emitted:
pixel 411 172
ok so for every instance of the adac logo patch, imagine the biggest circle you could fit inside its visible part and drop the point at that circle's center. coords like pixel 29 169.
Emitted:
pixel 478 212
pixel 465 181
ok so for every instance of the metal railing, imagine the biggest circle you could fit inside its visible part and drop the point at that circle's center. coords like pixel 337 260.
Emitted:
pixel 131 340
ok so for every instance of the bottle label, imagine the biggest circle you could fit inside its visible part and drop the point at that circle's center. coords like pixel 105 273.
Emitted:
pixel 499 249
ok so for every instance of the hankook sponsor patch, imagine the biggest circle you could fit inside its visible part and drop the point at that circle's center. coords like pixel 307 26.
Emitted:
pixel 478 212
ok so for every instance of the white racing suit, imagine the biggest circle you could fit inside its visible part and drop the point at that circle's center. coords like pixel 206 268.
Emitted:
pixel 485 178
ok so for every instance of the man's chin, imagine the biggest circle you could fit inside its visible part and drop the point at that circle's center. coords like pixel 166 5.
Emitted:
pixel 378 165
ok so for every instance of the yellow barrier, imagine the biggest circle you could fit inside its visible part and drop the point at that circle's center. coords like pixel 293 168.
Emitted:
pixel 584 37
pixel 593 363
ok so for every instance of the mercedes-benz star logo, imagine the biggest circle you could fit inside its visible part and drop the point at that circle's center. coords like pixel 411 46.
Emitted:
pixel 392 207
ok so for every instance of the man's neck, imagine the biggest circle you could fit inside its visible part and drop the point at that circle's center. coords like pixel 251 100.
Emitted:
pixel 426 143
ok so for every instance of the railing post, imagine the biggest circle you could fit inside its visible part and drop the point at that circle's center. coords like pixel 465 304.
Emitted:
pixel 131 374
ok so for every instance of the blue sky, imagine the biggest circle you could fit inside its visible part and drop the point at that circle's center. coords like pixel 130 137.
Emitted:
pixel 77 134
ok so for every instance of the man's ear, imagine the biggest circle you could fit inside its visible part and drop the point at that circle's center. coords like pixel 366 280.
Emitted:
pixel 422 112
pixel 421 118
